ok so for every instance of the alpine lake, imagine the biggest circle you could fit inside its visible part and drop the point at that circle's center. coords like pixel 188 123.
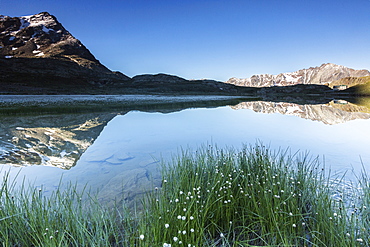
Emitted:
pixel 115 145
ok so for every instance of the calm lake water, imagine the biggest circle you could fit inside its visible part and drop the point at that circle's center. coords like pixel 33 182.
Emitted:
pixel 119 154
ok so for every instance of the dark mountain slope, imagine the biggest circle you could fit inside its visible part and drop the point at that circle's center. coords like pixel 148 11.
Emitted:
pixel 37 53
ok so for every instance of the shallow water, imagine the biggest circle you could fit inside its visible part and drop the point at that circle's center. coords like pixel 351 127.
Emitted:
pixel 119 155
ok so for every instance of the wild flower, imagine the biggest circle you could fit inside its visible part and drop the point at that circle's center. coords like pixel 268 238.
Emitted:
pixel 166 245
pixel 175 239
pixel 166 225
pixel 141 237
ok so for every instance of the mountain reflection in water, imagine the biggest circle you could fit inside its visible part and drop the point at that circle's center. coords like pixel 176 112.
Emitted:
pixel 335 112
pixel 50 140
pixel 60 140
pixel 118 153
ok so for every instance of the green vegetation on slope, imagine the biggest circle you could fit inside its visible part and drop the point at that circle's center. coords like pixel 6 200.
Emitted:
pixel 350 81
pixel 356 85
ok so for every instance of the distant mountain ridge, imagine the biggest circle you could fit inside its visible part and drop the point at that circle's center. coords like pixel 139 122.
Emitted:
pixel 39 56
pixel 321 75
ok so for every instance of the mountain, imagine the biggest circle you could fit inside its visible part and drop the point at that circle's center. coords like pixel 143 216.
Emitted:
pixel 321 75
pixel 38 49
pixel 163 83
pixel 39 56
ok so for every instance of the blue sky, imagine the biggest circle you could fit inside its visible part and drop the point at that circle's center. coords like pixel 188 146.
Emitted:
pixel 214 39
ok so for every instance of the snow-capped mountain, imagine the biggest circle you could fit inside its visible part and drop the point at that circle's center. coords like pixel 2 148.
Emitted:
pixel 37 48
pixel 321 75
pixel 39 35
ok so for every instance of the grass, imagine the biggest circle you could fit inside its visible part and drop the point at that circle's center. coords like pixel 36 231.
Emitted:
pixel 360 86
pixel 27 218
pixel 211 197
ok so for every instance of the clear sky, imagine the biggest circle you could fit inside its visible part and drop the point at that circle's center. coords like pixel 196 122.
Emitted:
pixel 215 39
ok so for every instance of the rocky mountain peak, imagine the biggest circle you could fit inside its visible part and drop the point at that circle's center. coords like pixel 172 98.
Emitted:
pixel 36 50
pixel 39 35
pixel 321 75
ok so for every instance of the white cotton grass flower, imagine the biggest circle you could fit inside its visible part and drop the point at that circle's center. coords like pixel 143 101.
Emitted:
pixel 166 245
pixel 141 237
pixel 191 230
pixel 294 225
pixel 179 217
pixel 166 225
pixel 175 239
pixel 360 240
pixel 222 235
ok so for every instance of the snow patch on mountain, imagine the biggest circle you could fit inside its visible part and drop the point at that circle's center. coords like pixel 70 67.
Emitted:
pixel 321 75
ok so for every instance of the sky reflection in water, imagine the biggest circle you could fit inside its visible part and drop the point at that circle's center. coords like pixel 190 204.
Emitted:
pixel 124 158
pixel 155 134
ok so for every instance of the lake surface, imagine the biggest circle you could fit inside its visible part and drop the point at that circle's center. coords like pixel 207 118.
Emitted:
pixel 119 153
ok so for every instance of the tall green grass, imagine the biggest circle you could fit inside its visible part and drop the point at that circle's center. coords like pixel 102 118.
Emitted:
pixel 27 218
pixel 211 197
pixel 253 197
